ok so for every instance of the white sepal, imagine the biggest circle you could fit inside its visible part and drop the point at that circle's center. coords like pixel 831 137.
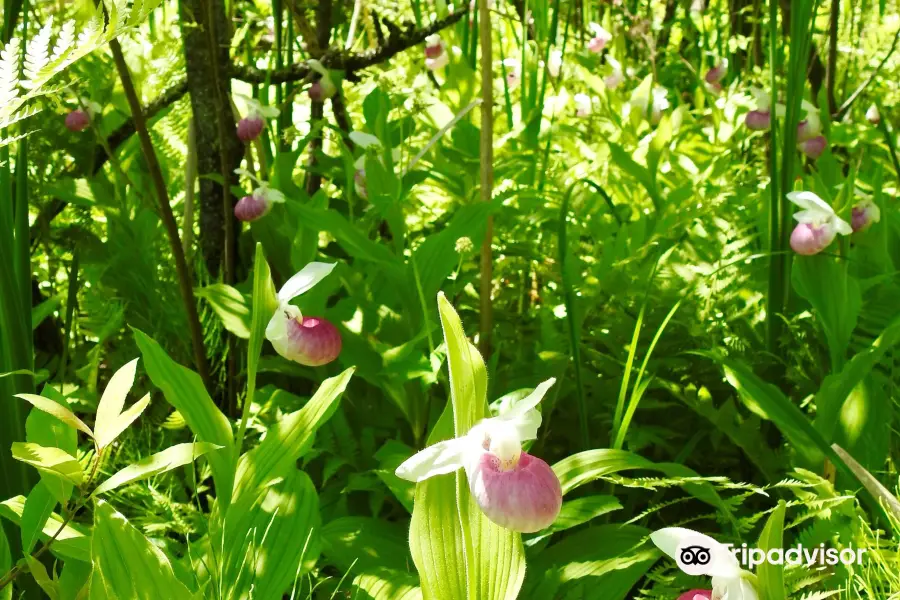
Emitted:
pixel 437 459
pixel 303 281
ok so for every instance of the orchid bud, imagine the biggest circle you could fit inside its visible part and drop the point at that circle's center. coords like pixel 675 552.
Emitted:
pixel 513 72
pixel 813 147
pixel 616 76
pixel 717 73
pixel 249 128
pixel 873 116
pixel 522 493
pixel 659 104
pixel 583 105
pixel 864 214
pixel 322 90
pixel 78 120
pixel 696 595
pixel 758 120
pixel 310 341
pixel 554 63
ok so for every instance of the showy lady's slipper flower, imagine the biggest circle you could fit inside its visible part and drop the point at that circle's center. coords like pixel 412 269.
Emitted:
pixel 583 105
pixel 864 214
pixel 513 488
pixel 324 87
pixel 80 118
pixel 729 581
pixel 436 56
pixel 600 39
pixel 717 73
pixel 259 203
pixel 366 141
pixel 251 125
pixel 873 116
pixel 810 140
pixel 310 341
pixel 817 224
pixel 513 72
pixel 616 76
pixel 554 63
pixel 761 118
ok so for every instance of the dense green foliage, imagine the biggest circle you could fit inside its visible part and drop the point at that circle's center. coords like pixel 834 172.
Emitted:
pixel 592 202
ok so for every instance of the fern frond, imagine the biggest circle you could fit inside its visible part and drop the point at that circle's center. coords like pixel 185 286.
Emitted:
pixel 9 73
pixel 64 41
pixel 37 55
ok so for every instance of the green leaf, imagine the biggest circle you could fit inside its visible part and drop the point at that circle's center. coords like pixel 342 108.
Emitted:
pixel 47 430
pixel 38 507
pixel 73 542
pixel 459 553
pixel 606 561
pixel 365 543
pixel 127 564
pixel 170 458
pixel 184 390
pixel 43 310
pixel 113 401
pixel 587 466
pixel 289 439
pixel 57 410
pixel 837 387
pixel 270 542
pixel 577 512
pixel 121 422
pixel 5 564
pixel 47 459
pixel 386 584
pixel 230 305
pixel 834 294
pixel 73 579
pixel 39 572
pixel 771 576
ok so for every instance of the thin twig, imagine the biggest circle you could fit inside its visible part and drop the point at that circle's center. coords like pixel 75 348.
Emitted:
pixel 165 210
pixel 487 175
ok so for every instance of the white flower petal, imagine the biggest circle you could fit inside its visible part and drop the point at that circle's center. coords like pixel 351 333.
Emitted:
pixel 317 67
pixel 722 563
pixel 528 402
pixel 364 140
pixel 811 202
pixel 438 459
pixel 308 276
pixel 269 112
pixel 734 588
pixel 842 226
pixel 277 327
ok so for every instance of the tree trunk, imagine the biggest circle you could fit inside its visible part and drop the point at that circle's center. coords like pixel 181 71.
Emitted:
pixel 208 104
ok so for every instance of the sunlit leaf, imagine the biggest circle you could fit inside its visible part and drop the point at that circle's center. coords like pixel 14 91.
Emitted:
pixel 113 401
pixel 57 410
pixel 170 458
pixel 50 460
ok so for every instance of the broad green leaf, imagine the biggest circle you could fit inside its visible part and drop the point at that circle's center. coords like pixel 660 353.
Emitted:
pixel 230 305
pixel 39 572
pixel 184 390
pixel 121 423
pixel 458 552
pixel 127 564
pixel 113 400
pixel 44 310
pixel 605 561
pixel 837 387
pixel 170 458
pixel 834 294
pixel 271 541
pixel 47 430
pixel 289 439
pixel 47 459
pixel 73 542
pixel 587 466
pixel 57 410
pixel 577 512
pixel 771 576
pixel 364 543
pixel 386 584
pixel 73 579
pixel 38 507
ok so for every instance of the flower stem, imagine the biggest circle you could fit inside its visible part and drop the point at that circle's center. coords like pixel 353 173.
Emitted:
pixel 487 175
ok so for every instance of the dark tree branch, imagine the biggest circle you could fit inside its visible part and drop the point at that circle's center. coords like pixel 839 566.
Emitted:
pixel 349 63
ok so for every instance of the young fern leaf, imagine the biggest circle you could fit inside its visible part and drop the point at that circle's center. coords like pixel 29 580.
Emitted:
pixel 37 55
pixel 9 73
